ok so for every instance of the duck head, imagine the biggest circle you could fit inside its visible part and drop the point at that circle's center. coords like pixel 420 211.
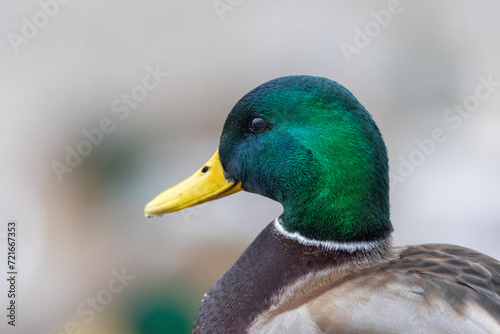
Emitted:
pixel 307 143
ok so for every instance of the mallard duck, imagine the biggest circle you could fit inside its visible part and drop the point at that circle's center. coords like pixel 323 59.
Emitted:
pixel 327 264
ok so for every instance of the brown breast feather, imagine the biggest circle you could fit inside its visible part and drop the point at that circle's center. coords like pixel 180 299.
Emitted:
pixel 270 264
pixel 428 288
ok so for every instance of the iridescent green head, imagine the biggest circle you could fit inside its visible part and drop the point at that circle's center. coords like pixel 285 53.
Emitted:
pixel 307 143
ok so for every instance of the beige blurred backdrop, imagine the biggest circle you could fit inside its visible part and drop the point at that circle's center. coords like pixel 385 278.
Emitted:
pixel 88 260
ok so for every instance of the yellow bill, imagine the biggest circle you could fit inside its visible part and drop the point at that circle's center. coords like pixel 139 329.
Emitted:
pixel 207 184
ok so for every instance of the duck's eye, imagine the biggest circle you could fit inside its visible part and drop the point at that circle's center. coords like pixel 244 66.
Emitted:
pixel 257 124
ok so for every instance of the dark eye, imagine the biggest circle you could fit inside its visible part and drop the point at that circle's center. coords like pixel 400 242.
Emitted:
pixel 257 124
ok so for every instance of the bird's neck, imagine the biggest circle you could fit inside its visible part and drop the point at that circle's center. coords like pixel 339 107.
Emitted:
pixel 347 215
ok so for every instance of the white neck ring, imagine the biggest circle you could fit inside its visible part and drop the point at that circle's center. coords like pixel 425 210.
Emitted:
pixel 350 247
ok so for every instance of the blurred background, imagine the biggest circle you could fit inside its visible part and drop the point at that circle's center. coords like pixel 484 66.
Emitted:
pixel 74 72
